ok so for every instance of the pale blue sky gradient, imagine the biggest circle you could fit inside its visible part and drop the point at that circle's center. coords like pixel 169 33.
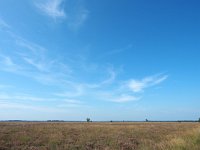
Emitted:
pixel 107 60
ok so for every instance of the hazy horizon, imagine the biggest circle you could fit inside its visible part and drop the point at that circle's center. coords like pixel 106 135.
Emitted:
pixel 106 60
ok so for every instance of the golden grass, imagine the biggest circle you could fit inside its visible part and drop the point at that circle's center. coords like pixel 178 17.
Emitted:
pixel 97 136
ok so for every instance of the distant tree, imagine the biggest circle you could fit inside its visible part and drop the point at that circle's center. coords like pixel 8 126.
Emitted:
pixel 111 121
pixel 146 120
pixel 199 120
pixel 88 119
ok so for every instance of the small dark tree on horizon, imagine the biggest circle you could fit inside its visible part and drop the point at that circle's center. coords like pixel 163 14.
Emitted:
pixel 88 119
pixel 146 120
pixel 199 120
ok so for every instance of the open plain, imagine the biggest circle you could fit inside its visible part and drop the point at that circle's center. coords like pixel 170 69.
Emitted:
pixel 99 136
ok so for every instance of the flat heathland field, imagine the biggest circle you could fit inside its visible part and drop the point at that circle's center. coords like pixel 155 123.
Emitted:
pixel 96 136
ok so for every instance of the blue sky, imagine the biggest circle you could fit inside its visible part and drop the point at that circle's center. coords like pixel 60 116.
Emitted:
pixel 107 60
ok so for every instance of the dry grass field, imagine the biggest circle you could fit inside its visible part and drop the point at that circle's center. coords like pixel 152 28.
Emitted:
pixel 97 136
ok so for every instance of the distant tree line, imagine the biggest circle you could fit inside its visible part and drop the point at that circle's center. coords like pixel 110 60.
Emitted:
pixel 55 121
pixel 89 120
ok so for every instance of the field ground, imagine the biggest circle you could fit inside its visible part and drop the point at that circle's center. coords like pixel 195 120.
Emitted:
pixel 105 136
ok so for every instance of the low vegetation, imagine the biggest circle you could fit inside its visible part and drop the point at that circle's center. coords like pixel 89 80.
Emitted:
pixel 99 136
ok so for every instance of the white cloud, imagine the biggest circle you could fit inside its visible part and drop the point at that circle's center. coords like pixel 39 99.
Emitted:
pixel 7 60
pixel 22 106
pixel 75 14
pixel 2 86
pixel 140 85
pixel 32 47
pixel 77 19
pixel 23 97
pixel 3 24
pixel 75 90
pixel 111 78
pixel 41 66
pixel 32 60
pixel 108 81
pixel 52 8
pixel 114 95
pixel 116 51
pixel 125 98
pixel 9 100
pixel 8 64
pixel 71 103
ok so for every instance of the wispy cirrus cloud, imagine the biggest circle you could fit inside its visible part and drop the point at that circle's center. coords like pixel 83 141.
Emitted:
pixel 21 97
pixel 117 51
pixel 3 86
pixel 140 85
pixel 52 8
pixel 27 99
pixel 77 17
pixel 8 64
pixel 122 98
pixel 71 103
pixel 32 60
pixel 22 106
pixel 107 81
pixel 38 65
pixel 3 24
pixel 72 12
pixel 125 98
pixel 32 47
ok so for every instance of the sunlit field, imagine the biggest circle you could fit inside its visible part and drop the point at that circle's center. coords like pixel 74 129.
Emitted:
pixel 105 136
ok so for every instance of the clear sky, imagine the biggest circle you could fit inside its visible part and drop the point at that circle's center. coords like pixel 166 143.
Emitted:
pixel 103 59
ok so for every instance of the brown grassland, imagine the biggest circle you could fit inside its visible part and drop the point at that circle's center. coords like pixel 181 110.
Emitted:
pixel 97 136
